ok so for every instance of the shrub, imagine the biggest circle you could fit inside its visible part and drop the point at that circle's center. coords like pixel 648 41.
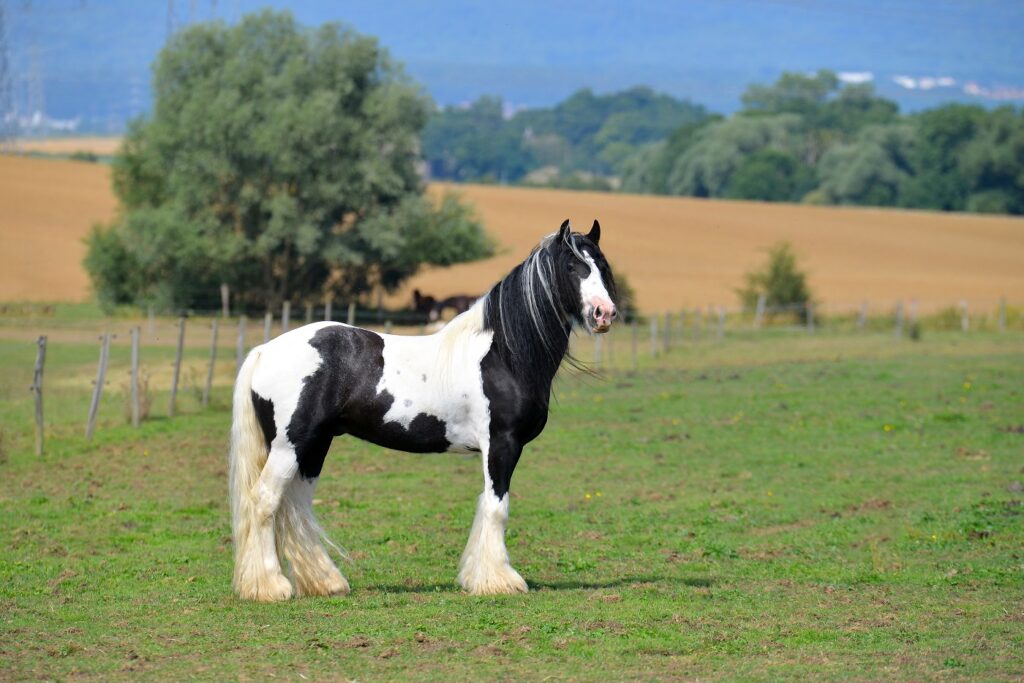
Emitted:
pixel 780 280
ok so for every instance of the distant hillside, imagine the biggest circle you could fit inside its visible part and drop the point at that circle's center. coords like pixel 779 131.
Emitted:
pixel 93 58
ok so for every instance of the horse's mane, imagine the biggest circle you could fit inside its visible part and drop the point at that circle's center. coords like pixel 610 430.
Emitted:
pixel 531 328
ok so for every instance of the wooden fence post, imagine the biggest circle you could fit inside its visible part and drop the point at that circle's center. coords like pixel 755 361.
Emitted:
pixel 213 362
pixel 387 326
pixel 37 390
pixel 327 308
pixel 225 300
pixel 177 366
pixel 240 345
pixel 286 316
pixel 268 325
pixel 309 313
pixel 762 301
pixel 668 331
pixel 1002 314
pixel 97 390
pixel 654 336
pixel 965 321
pixel 863 316
pixel 721 323
pixel 635 343
pixel 352 313
pixel 899 320
pixel 136 412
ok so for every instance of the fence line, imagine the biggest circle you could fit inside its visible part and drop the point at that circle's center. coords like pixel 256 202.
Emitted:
pixel 901 320
pixel 97 391
pixel 136 413
pixel 37 390
pixel 177 367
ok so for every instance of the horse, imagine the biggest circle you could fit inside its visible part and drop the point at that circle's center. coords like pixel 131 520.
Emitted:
pixel 482 384
pixel 459 302
pixel 424 304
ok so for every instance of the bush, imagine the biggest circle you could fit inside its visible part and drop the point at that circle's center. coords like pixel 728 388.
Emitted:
pixel 781 281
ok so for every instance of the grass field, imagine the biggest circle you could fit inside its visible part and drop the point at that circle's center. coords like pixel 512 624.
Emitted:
pixel 676 251
pixel 782 506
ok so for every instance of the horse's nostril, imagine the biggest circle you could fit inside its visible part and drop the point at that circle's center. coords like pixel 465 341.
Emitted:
pixel 597 312
pixel 614 314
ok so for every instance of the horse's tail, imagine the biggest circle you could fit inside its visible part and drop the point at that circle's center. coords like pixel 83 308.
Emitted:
pixel 246 459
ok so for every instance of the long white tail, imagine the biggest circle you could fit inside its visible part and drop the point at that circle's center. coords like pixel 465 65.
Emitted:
pixel 246 459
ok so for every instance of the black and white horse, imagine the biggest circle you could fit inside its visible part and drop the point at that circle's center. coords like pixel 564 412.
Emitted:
pixel 480 384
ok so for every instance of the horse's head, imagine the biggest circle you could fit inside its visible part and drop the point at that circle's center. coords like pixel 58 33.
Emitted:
pixel 586 285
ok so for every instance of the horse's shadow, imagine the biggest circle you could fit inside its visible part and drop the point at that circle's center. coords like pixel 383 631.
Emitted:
pixel 567 585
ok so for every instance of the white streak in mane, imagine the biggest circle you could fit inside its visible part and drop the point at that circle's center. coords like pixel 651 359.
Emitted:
pixel 537 270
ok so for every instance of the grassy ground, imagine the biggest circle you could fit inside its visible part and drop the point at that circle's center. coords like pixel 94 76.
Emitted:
pixel 788 507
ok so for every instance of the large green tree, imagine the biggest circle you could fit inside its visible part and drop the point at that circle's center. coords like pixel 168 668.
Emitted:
pixel 281 161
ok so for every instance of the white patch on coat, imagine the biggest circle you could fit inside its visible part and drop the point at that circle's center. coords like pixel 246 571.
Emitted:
pixel 439 375
pixel 285 362
pixel 592 287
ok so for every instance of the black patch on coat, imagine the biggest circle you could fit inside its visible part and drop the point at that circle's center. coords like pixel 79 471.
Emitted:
pixel 340 397
pixel 264 408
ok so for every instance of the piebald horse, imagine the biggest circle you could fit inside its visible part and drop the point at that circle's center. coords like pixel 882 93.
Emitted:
pixel 480 384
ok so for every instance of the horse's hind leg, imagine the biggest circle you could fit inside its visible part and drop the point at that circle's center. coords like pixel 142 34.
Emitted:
pixel 301 539
pixel 258 568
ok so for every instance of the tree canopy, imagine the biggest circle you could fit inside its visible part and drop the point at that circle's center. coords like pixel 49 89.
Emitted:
pixel 586 133
pixel 810 138
pixel 281 161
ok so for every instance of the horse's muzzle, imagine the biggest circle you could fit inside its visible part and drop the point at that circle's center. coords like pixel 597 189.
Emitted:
pixel 601 315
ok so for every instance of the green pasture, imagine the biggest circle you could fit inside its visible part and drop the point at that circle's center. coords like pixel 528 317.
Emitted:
pixel 779 505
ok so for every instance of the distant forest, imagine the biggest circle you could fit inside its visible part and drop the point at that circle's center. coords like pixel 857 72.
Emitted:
pixel 807 139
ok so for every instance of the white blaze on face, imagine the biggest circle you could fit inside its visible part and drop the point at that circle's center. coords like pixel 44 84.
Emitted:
pixel 596 303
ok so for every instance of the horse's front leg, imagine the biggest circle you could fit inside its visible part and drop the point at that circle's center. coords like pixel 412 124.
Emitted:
pixel 485 567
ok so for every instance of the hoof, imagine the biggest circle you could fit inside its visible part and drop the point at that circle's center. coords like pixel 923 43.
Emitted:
pixel 270 589
pixel 505 581
pixel 334 584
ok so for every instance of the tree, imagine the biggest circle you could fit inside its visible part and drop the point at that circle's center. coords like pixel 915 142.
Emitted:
pixel 873 170
pixel 475 143
pixel 770 175
pixel 279 160
pixel 707 165
pixel 780 281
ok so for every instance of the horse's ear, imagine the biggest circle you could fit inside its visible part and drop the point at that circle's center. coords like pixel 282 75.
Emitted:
pixel 595 233
pixel 563 232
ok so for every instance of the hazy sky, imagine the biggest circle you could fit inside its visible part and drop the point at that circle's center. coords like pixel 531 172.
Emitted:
pixel 93 57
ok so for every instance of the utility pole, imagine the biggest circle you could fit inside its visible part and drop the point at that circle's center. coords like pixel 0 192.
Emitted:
pixel 7 120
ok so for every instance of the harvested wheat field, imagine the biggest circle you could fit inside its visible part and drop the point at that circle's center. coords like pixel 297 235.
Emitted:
pixel 693 252
pixel 676 251
pixel 102 146
pixel 46 208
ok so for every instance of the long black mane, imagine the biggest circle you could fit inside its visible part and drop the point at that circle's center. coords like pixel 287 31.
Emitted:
pixel 533 309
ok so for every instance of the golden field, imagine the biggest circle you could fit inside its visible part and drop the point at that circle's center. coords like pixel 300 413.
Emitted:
pixel 676 251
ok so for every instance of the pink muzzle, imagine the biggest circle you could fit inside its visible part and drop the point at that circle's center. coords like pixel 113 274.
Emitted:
pixel 603 313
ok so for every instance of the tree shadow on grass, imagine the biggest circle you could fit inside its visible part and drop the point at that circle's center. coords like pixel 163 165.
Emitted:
pixel 565 585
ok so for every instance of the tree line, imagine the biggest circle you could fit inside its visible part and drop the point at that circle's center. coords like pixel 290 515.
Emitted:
pixel 285 162
pixel 804 138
